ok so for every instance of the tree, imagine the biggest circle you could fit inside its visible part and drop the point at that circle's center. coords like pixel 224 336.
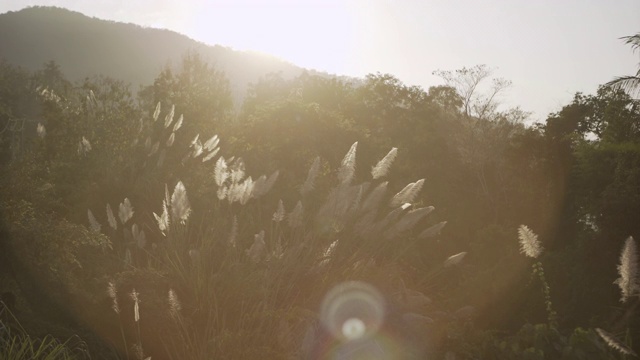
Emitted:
pixel 198 90
pixel 468 81
pixel 631 83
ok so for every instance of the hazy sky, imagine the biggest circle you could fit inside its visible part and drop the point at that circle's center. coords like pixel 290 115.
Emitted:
pixel 550 49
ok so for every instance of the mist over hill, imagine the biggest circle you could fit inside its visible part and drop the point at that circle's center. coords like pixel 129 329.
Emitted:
pixel 84 46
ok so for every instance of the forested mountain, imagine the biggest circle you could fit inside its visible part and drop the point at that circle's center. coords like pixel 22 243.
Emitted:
pixel 85 46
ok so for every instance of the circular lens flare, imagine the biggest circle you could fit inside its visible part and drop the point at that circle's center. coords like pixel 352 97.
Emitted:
pixel 353 329
pixel 352 310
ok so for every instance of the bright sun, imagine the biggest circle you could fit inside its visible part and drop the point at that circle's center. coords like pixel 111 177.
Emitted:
pixel 315 35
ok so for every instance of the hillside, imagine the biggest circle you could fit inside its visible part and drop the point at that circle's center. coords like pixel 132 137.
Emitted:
pixel 85 46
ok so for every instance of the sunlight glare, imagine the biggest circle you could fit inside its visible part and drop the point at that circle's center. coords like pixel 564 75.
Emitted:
pixel 310 34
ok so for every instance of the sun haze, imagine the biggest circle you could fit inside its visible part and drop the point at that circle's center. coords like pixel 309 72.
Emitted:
pixel 549 49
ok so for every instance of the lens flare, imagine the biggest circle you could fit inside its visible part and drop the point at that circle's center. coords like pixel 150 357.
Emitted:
pixel 353 328
pixel 352 311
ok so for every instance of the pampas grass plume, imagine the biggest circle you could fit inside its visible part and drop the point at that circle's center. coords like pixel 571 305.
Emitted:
pixel 180 206
pixel 628 270
pixel 171 139
pixel 169 118
pixel 454 259
pixel 311 177
pixel 295 217
pixel 113 294
pixel 234 232
pixel 211 143
pixel 174 303
pixel 614 343
pixel 125 212
pixel 111 219
pixel 95 225
pixel 382 168
pixel 136 308
pixel 220 172
pixel 178 123
pixel 156 113
pixel 529 243
pixel 408 194
pixel 42 131
pixel 432 230
pixel 278 215
pixel 256 251
pixel 348 167
pixel 211 155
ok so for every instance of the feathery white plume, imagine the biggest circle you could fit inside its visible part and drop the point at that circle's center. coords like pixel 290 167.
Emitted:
pixel 154 148
pixel 258 186
pixel 95 225
pixel 174 304
pixel 140 127
pixel 125 211
pixel 220 172
pixel 194 254
pixel 178 124
pixel 111 219
pixel 361 189
pixel 211 143
pixel 410 219
pixel 161 157
pixel 271 180
pixel 163 219
pixel 256 251
pixel 113 294
pixel 42 131
pixel 167 197
pixel 211 155
pixel 139 236
pixel 329 250
pixel 197 149
pixel 136 309
pixel 348 166
pixel 365 225
pixel 156 113
pixel 234 232
pixel 383 165
pixel 128 259
pixel 311 177
pixel 295 217
pixel 263 185
pixel 279 214
pixel 169 118
pixel 244 190
pixel 391 217
pixel 372 200
pixel 222 192
pixel 341 200
pixel 614 343
pixel 237 171
pixel 407 222
pixel 195 140
pixel 628 270
pixel 432 230
pixel 84 146
pixel 171 139
pixel 529 243
pixel 454 259
pixel 180 206
pixel 408 194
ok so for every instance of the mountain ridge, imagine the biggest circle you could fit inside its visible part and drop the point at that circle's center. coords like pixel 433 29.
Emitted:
pixel 85 46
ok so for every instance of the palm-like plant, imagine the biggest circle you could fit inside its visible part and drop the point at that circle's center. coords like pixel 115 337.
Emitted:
pixel 630 83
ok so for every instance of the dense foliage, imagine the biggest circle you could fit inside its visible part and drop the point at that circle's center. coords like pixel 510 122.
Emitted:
pixel 144 223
